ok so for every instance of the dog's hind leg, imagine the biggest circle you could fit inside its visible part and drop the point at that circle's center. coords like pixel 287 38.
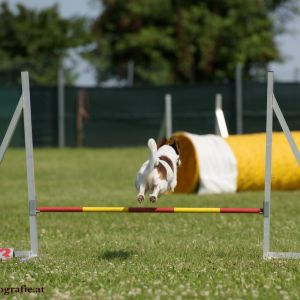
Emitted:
pixel 141 194
pixel 173 185
pixel 154 195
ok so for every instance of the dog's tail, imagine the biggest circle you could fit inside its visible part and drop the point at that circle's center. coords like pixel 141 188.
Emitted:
pixel 153 160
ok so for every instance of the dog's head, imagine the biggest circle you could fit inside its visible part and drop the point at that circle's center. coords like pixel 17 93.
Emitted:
pixel 173 143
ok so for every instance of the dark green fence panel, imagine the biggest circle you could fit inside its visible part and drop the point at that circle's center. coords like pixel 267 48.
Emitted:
pixel 194 107
pixel 129 116
pixel 44 116
pixel 122 117
pixel 254 105
pixel 288 98
pixel 9 98
pixel 71 95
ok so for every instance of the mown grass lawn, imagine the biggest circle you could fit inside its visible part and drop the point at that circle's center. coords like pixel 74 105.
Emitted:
pixel 139 256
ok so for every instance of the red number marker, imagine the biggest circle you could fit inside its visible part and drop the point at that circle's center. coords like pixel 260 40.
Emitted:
pixel 6 253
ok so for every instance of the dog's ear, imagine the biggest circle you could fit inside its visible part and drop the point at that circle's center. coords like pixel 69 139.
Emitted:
pixel 161 142
pixel 174 144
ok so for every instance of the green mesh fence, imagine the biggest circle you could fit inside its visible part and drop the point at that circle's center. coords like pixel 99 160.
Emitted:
pixel 9 98
pixel 97 117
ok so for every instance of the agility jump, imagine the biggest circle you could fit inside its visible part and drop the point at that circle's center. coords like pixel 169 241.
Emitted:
pixel 224 210
pixel 23 107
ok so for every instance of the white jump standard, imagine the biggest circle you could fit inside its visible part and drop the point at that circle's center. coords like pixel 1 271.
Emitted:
pixel 24 106
pixel 272 105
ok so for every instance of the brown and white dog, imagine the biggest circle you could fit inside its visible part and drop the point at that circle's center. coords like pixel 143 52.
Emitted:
pixel 158 174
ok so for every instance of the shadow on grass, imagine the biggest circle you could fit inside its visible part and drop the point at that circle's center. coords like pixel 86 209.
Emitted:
pixel 116 255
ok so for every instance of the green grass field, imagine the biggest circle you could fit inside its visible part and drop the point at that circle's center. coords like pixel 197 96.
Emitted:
pixel 139 256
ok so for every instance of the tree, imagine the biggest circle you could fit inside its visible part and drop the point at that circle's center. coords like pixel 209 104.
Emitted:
pixel 183 41
pixel 37 41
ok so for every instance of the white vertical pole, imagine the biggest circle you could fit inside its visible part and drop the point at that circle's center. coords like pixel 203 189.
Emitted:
pixel 296 74
pixel 61 108
pixel 239 98
pixel 168 115
pixel 218 104
pixel 268 166
pixel 130 73
pixel 220 123
pixel 29 164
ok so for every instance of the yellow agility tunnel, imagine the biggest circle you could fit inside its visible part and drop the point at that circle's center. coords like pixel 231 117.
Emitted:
pixel 211 164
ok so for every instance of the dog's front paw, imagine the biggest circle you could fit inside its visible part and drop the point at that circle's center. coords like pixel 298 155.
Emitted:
pixel 152 198
pixel 140 198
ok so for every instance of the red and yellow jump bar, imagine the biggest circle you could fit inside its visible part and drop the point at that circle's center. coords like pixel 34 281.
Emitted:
pixel 234 210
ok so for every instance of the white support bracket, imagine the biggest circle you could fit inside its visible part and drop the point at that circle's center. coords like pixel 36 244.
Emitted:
pixel 25 108
pixel 272 105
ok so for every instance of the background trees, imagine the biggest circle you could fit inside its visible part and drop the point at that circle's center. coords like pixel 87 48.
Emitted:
pixel 167 41
pixel 37 41
pixel 183 41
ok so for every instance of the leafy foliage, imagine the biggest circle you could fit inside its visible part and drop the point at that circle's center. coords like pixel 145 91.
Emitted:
pixel 37 41
pixel 176 41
